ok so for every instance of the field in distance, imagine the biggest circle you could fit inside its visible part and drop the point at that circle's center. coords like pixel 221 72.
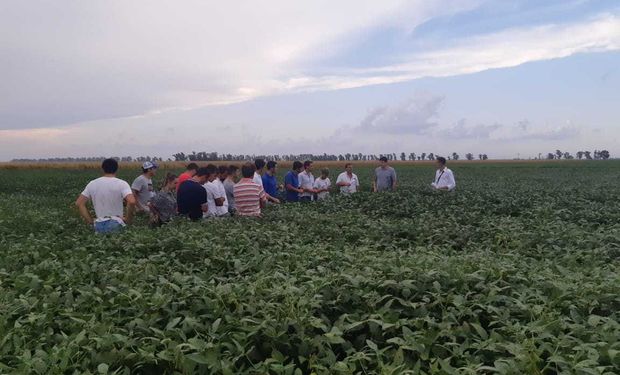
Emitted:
pixel 517 272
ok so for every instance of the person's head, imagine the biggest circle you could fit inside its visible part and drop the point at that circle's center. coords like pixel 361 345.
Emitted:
pixel 348 167
pixel 297 166
pixel 192 168
pixel 202 174
pixel 233 172
pixel 109 166
pixel 247 170
pixel 212 169
pixel 440 161
pixel 259 164
pixel 383 161
pixel 324 173
pixel 308 165
pixel 222 172
pixel 149 168
pixel 170 181
pixel 271 167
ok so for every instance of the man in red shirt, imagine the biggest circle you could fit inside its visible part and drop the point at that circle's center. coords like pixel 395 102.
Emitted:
pixel 249 196
pixel 189 173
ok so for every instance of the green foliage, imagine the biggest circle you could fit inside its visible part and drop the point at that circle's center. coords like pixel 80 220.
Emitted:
pixel 515 273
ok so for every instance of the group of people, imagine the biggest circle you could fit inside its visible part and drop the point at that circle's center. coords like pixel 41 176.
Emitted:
pixel 215 192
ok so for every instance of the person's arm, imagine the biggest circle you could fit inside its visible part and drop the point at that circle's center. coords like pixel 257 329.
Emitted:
pixel 272 199
pixel 290 187
pixel 130 199
pixel 137 186
pixel 81 205
pixel 450 183
pixel 262 198
pixel 341 182
pixel 374 182
pixel 394 180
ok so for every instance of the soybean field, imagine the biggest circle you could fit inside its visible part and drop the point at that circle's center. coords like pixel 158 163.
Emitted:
pixel 516 272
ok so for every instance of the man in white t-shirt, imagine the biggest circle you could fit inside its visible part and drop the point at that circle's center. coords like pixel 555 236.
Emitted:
pixel 347 180
pixel 306 183
pixel 216 194
pixel 108 194
pixel 322 185
pixel 444 178
pixel 142 186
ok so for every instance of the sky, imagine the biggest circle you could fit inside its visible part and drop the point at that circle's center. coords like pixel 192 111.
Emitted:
pixel 509 78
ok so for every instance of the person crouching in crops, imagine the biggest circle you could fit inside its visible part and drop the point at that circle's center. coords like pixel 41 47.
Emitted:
pixel 249 196
pixel 322 185
pixel 142 186
pixel 444 178
pixel 108 194
pixel 163 206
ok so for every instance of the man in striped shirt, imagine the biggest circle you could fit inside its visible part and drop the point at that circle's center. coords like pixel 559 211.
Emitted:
pixel 249 196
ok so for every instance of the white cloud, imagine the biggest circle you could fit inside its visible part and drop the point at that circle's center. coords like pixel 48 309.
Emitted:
pixel 92 60
pixel 508 48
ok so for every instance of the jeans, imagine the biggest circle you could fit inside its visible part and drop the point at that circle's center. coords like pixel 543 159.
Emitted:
pixel 108 226
pixel 305 199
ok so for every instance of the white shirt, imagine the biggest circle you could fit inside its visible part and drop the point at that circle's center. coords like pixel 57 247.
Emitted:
pixel 215 190
pixel 444 179
pixel 257 179
pixel 306 181
pixel 320 184
pixel 107 194
pixel 344 177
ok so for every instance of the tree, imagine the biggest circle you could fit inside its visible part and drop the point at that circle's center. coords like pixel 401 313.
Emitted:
pixel 559 154
pixel 423 156
pixel 469 156
pixel 455 156
pixel 588 155
pixel 580 155
pixel 431 156
pixel 550 156
pixel 568 156
pixel 485 157
pixel 604 154
pixel 403 156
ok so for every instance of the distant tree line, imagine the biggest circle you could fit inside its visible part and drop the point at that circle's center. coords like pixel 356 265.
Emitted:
pixel 587 155
pixel 412 156
pixel 214 156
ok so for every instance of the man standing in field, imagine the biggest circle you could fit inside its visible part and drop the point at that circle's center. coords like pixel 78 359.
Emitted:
pixel 189 173
pixel 270 182
pixel 444 178
pixel 249 196
pixel 216 194
pixel 347 180
pixel 229 186
pixel 384 178
pixel 192 196
pixel 142 186
pixel 107 194
pixel 259 164
pixel 306 183
pixel 322 185
pixel 291 182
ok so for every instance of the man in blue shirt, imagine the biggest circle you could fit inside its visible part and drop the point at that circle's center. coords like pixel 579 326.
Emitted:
pixel 270 183
pixel 291 182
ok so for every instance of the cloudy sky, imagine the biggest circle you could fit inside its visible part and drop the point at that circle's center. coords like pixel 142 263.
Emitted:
pixel 137 77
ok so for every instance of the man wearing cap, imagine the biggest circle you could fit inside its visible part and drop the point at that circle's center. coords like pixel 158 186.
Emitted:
pixel 385 177
pixel 142 186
